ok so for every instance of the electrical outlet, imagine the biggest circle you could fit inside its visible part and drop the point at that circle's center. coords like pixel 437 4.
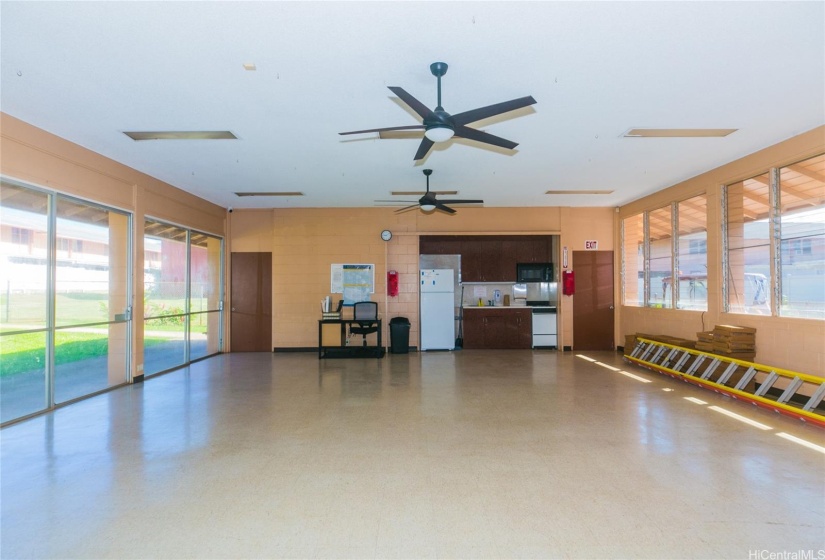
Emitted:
pixel 140 367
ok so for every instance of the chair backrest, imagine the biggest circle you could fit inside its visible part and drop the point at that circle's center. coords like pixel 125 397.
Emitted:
pixel 365 311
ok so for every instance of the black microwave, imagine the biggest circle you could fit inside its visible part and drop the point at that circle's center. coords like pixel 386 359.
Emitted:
pixel 534 272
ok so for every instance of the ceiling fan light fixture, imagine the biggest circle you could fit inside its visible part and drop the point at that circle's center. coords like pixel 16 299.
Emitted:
pixel 439 133
pixel 427 207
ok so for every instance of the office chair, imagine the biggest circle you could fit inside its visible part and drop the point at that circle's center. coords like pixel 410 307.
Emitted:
pixel 366 313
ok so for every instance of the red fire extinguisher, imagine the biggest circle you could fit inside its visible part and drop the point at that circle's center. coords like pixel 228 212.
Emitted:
pixel 392 283
pixel 568 283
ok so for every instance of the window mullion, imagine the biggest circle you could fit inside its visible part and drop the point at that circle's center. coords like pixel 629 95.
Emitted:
pixel 776 241
pixel 674 237
pixel 646 257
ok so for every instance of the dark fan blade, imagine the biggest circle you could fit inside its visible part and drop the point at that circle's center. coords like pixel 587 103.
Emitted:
pixel 406 209
pixel 423 148
pixel 492 110
pixel 479 136
pixel 411 127
pixel 440 206
pixel 461 201
pixel 414 103
pixel 398 202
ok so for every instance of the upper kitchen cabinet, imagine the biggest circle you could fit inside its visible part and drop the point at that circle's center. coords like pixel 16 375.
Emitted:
pixel 489 258
pixel 439 245
pixel 481 259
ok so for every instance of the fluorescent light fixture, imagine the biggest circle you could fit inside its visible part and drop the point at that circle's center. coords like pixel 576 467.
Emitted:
pixel 807 444
pixel 439 134
pixel 249 66
pixel 611 368
pixel 586 191
pixel 695 400
pixel 583 357
pixel 427 207
pixel 421 193
pixel 636 377
pixel 181 135
pixel 678 132
pixel 735 416
pixel 280 193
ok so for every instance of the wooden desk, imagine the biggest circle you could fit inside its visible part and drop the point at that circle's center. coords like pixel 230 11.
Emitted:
pixel 344 351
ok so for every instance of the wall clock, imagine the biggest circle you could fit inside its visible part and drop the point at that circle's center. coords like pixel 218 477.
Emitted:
pixel 386 235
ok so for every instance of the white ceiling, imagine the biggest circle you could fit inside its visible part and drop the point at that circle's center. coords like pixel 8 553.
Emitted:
pixel 87 71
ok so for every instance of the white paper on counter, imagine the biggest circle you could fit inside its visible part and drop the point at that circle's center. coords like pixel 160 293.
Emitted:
pixel 480 291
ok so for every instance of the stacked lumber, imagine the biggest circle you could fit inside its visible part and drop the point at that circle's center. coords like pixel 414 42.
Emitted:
pixel 735 342
pixel 704 341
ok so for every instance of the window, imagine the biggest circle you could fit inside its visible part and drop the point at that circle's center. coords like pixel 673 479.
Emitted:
pixel 802 239
pixel 81 346
pixel 182 296
pixel 20 236
pixel 660 257
pixel 748 240
pixel 692 253
pixel 633 244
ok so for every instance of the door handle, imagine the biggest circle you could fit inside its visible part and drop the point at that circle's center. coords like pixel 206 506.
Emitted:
pixel 233 309
pixel 611 307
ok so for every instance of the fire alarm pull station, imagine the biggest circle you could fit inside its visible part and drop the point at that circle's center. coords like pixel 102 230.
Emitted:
pixel 392 283
pixel 568 283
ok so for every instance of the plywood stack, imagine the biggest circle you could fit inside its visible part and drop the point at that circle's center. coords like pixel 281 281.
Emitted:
pixel 704 341
pixel 735 342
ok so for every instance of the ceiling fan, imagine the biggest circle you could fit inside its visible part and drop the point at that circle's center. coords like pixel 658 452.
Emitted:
pixel 429 203
pixel 440 126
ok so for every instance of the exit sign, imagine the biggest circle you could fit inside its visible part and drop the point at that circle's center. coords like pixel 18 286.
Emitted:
pixel 591 245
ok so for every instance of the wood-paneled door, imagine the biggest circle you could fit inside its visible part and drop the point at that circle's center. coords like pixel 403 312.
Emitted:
pixel 251 302
pixel 593 305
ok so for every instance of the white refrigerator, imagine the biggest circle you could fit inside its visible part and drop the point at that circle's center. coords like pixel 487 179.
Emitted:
pixel 437 309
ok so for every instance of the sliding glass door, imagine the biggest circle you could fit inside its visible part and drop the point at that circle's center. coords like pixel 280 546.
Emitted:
pixel 183 295
pixel 65 266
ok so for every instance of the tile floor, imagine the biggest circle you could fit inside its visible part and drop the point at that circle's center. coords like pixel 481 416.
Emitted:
pixel 470 454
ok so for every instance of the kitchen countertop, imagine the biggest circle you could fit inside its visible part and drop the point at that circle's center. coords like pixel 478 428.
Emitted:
pixel 510 307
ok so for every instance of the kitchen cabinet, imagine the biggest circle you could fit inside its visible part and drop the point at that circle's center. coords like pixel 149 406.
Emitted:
pixel 439 245
pixel 489 258
pixel 497 327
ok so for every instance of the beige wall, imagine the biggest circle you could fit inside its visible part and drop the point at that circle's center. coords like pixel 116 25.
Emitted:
pixel 305 242
pixel 794 344
pixel 34 156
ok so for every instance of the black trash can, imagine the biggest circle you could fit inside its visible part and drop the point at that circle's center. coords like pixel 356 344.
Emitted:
pixel 400 335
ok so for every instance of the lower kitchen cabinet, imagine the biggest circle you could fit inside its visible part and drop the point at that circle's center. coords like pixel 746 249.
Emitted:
pixel 500 328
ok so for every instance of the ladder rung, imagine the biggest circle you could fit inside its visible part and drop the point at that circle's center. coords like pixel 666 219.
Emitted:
pixel 669 357
pixel 681 362
pixel 767 384
pixel 815 399
pixel 711 368
pixel 657 355
pixel 727 373
pixel 695 365
pixel 795 384
pixel 650 348
pixel 746 378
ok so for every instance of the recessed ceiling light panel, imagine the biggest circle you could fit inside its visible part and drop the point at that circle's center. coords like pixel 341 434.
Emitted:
pixel 181 135
pixel 678 132
pixel 277 193
pixel 420 193
pixel 585 191
pixel 249 66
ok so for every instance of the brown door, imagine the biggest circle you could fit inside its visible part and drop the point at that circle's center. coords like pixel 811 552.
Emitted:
pixel 593 300
pixel 251 302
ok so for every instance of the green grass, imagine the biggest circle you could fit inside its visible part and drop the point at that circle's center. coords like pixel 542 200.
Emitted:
pixel 27 352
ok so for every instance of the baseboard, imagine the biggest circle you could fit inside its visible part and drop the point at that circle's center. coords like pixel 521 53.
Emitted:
pixel 295 349
pixel 138 379
pixel 568 349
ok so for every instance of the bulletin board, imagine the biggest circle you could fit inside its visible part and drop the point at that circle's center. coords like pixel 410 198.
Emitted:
pixel 355 281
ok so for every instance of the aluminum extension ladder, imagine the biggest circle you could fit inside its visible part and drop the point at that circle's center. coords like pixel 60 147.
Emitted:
pixel 787 392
